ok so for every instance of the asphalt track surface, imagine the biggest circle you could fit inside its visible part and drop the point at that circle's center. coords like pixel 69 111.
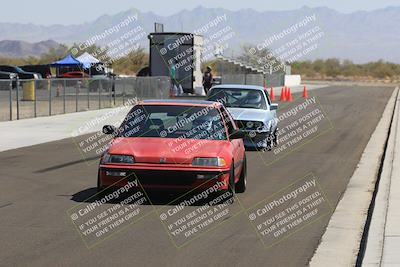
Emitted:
pixel 39 184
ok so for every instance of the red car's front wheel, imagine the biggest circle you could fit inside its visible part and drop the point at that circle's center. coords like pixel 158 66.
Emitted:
pixel 240 186
pixel 230 190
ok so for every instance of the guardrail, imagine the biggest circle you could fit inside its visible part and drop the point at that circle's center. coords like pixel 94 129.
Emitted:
pixel 20 99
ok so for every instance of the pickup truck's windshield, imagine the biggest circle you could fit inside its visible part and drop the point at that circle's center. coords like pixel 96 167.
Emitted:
pixel 238 98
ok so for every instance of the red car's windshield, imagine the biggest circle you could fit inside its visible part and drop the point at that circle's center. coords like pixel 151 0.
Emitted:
pixel 174 122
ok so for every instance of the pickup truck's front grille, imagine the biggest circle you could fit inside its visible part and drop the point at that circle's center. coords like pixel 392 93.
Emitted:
pixel 248 125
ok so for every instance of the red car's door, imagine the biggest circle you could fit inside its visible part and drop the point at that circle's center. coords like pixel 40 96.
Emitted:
pixel 238 149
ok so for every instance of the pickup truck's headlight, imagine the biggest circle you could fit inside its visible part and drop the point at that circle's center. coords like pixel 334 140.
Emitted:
pixel 209 162
pixel 258 124
pixel 117 159
pixel 253 125
pixel 264 127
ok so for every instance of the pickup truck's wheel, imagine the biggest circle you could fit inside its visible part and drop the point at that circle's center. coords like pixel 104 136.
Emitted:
pixel 269 142
pixel 240 187
pixel 275 137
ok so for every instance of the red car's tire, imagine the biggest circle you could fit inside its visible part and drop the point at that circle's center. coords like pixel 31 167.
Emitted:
pixel 232 179
pixel 231 186
pixel 240 186
pixel 230 189
pixel 101 191
pixel 99 188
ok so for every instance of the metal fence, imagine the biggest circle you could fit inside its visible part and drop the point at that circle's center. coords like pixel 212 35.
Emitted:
pixel 275 79
pixel 20 99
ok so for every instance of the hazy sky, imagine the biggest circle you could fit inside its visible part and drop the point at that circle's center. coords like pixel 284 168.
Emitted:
pixel 78 11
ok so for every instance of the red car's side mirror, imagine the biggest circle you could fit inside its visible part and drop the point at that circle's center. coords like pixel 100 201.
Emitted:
pixel 109 129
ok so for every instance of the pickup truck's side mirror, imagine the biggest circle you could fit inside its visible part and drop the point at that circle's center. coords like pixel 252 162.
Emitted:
pixel 273 106
pixel 109 129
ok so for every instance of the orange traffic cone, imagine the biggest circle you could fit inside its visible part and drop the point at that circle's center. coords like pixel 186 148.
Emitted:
pixel 305 94
pixel 283 95
pixel 289 97
pixel 271 94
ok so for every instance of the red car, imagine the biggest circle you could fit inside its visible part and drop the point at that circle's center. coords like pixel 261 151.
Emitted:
pixel 74 74
pixel 175 145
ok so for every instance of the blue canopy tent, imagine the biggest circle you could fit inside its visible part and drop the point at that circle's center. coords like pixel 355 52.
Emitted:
pixel 68 61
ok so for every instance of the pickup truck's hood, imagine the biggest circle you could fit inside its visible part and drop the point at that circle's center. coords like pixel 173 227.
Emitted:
pixel 249 114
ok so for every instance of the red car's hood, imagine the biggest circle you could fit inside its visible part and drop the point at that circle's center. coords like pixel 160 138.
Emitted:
pixel 167 150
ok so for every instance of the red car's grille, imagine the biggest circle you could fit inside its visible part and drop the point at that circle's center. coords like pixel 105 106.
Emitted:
pixel 164 178
pixel 155 177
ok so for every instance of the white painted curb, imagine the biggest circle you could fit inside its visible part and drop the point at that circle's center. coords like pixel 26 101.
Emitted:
pixel 374 249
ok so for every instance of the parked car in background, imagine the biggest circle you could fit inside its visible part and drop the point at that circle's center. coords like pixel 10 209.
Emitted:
pixel 7 75
pixel 74 78
pixel 100 78
pixel 23 75
pixel 43 70
pixel 74 74
pixel 4 80
pixel 252 111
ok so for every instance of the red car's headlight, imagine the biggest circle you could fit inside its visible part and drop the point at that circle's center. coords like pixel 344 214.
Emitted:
pixel 117 159
pixel 209 162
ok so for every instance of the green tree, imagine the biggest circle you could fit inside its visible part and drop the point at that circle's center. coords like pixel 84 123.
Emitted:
pixel 132 62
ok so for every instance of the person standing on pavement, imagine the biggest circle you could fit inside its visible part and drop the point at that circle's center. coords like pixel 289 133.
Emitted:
pixel 207 79
pixel 173 73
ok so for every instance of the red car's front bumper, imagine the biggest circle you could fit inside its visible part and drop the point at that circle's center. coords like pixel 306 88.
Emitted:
pixel 163 177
